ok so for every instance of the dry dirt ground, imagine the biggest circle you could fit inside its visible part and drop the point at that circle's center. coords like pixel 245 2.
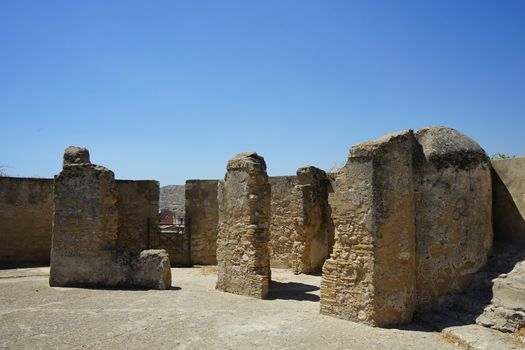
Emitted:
pixel 192 315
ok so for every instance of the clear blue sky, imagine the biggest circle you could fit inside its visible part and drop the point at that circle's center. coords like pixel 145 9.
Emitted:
pixel 170 90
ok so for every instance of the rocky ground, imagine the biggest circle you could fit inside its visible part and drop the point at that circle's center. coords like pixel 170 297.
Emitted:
pixel 192 315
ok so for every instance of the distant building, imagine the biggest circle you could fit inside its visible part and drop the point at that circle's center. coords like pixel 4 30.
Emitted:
pixel 166 217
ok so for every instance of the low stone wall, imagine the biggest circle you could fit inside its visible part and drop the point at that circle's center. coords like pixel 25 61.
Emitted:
pixel 202 218
pixel 26 216
pixel 138 213
pixel 508 190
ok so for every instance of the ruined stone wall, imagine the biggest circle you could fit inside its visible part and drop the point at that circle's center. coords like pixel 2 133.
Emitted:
pixel 138 213
pixel 508 190
pixel 370 275
pixel 244 214
pixel 202 216
pixel 316 243
pixel 26 214
pixel 85 250
pixel 301 232
pixel 453 213
pixel 285 225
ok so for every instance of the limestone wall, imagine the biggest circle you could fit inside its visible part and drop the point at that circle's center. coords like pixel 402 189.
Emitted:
pixel 301 233
pixel 27 213
pixel 202 213
pixel 85 247
pixel 508 186
pixel 453 213
pixel 137 204
pixel 370 275
pixel 25 220
pixel 244 214
pixel 284 224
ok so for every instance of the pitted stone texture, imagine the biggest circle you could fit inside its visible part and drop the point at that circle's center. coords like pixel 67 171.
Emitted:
pixel 301 232
pixel 370 275
pixel 453 213
pixel 152 262
pixel 85 228
pixel 76 155
pixel 244 214
pixel 138 207
pixel 317 233
pixel 202 215
pixel 507 309
pixel 285 226
pixel 26 215
pixel 85 248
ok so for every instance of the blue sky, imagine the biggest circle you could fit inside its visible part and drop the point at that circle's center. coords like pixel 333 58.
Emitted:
pixel 170 90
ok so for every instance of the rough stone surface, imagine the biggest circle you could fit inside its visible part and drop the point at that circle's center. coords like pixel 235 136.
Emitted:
pixel 453 212
pixel 85 248
pixel 26 215
pixel 150 263
pixel 76 155
pixel 138 213
pixel 244 213
pixel 507 310
pixel 301 232
pixel 508 188
pixel 284 223
pixel 202 209
pixel 370 276
pixel 316 242
pixel 479 338
pixel 85 228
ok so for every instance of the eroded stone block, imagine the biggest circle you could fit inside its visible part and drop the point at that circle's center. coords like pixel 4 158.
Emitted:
pixel 242 243
pixel 85 248
pixel 370 275
pixel 453 212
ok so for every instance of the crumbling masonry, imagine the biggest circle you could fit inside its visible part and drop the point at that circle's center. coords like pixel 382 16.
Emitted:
pixel 85 248
pixel 242 242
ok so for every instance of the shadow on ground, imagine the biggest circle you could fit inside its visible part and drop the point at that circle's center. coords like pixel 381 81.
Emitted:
pixel 292 291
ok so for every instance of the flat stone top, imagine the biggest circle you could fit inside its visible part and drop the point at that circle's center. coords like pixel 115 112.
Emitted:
pixel 247 161
pixel 447 144
pixel 370 148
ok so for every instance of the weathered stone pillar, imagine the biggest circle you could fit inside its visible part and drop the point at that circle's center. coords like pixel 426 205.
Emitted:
pixel 315 241
pixel 85 223
pixel 453 212
pixel 242 242
pixel 84 248
pixel 370 276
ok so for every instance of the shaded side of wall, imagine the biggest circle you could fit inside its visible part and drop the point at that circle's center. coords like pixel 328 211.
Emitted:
pixel 26 217
pixel 202 218
pixel 138 213
pixel 508 191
